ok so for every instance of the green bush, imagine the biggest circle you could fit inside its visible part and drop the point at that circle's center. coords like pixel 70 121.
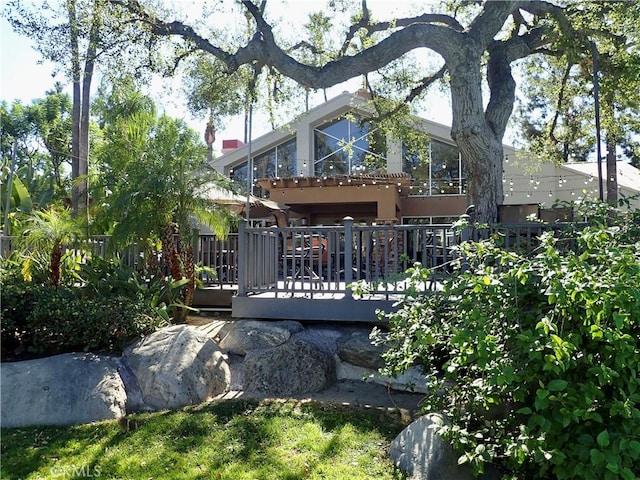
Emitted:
pixel 42 319
pixel 17 298
pixel 63 321
pixel 535 359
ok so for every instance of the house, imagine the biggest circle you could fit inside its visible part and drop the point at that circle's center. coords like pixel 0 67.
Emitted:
pixel 326 165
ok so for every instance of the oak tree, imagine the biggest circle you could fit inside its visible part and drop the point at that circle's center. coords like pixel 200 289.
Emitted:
pixel 477 42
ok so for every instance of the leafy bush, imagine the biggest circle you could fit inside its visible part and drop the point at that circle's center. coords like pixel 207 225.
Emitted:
pixel 535 359
pixel 16 299
pixel 43 319
pixel 63 321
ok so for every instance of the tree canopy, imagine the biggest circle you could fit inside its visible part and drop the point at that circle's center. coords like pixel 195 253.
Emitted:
pixel 557 113
pixel 477 45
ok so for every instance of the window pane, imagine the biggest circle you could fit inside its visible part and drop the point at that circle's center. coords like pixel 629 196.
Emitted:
pixel 445 168
pixel 329 155
pixel 348 147
pixel 264 166
pixel 239 176
pixel 415 163
pixel 286 156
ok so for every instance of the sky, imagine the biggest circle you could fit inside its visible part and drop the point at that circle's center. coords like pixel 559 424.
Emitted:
pixel 24 77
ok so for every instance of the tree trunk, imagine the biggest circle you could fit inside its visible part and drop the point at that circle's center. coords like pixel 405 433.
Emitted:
pixel 55 264
pixel 77 103
pixel 85 110
pixel 612 171
pixel 480 149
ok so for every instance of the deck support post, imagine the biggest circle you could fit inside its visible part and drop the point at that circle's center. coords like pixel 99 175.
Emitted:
pixel 348 256
pixel 243 253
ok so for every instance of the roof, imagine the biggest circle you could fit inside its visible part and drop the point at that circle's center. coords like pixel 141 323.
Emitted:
pixel 628 175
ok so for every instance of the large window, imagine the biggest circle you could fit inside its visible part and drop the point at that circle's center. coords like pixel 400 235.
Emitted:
pixel 280 161
pixel 277 162
pixel 435 169
pixel 239 176
pixel 348 147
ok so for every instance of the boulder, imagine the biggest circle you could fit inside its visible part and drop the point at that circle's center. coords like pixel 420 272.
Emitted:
pixel 423 455
pixel 242 336
pixel 357 349
pixel 323 336
pixel 177 366
pixel 292 368
pixel 61 390
pixel 413 380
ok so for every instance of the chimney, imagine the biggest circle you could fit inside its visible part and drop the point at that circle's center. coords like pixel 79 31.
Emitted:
pixel 230 145
pixel 364 93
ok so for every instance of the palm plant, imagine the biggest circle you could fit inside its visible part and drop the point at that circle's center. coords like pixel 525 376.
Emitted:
pixel 155 171
pixel 49 230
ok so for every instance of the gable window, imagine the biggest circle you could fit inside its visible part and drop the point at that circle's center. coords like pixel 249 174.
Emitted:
pixel 435 170
pixel 279 161
pixel 348 147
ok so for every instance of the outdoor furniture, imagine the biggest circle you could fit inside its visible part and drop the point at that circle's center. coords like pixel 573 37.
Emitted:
pixel 302 253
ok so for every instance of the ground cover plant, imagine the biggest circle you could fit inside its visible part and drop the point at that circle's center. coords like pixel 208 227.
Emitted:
pixel 535 358
pixel 231 439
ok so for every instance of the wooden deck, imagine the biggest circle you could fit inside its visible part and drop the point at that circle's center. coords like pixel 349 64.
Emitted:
pixel 304 273
pixel 320 303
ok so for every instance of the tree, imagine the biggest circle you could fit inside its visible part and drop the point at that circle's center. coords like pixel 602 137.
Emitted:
pixel 154 175
pixel 559 110
pixel 73 43
pixel 39 135
pixel 477 38
pixel 79 36
pixel 50 230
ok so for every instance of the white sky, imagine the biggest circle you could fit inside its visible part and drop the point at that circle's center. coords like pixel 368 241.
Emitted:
pixel 23 76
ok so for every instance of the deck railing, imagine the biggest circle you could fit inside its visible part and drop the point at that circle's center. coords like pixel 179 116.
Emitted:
pixel 310 261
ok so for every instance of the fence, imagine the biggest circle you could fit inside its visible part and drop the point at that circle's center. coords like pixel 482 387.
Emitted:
pixel 321 260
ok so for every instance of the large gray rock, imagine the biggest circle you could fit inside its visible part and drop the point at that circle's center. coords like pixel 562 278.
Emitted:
pixel 177 366
pixel 323 336
pixel 290 369
pixel 61 390
pixel 242 336
pixel 423 455
pixel 413 380
pixel 357 349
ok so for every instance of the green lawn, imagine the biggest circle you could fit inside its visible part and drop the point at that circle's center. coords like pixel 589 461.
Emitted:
pixel 223 440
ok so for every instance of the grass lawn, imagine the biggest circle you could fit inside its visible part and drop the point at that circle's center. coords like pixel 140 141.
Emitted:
pixel 231 439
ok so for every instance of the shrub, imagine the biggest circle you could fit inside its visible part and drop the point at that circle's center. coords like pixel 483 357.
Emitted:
pixel 64 321
pixel 535 359
pixel 17 298
pixel 42 319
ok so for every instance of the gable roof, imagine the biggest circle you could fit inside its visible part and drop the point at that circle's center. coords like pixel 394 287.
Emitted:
pixel 628 175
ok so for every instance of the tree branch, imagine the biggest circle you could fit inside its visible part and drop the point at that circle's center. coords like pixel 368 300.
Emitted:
pixel 556 117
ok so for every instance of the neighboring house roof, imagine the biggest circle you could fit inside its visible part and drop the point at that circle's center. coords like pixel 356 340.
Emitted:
pixel 628 175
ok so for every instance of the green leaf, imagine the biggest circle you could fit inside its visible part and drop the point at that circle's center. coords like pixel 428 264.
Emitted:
pixel 634 449
pixel 597 458
pixel 557 385
pixel 603 438
pixel 585 439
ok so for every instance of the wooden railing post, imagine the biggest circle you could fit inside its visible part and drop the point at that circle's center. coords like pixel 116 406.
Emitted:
pixel 242 259
pixel 348 256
